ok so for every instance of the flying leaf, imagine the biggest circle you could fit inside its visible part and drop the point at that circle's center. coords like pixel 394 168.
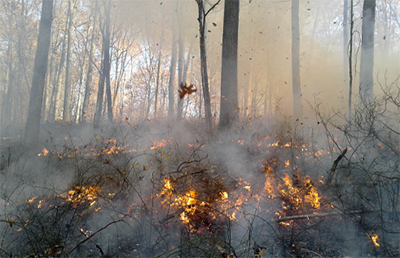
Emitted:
pixel 184 89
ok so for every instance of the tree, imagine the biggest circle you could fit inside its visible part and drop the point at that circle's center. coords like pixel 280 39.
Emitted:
pixel 297 99
pixel 181 61
pixel 39 75
pixel 229 91
pixel 203 58
pixel 105 70
pixel 85 105
pixel 67 94
pixel 107 66
pixel 367 51
pixel 172 70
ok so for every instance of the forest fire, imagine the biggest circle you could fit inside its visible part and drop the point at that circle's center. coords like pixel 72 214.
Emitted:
pixel 297 195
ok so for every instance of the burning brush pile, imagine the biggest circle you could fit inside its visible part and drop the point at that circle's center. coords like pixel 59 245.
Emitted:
pixel 165 198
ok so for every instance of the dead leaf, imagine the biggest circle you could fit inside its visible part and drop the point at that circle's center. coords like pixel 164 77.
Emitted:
pixel 186 90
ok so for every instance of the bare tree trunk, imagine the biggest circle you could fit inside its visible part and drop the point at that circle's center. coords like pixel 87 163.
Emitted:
pixel 67 110
pixel 297 99
pixel 350 60
pixel 158 71
pixel 180 68
pixel 79 100
pixel 39 74
pixel 107 6
pixel 253 94
pixel 49 89
pixel 346 39
pixel 7 107
pixel 229 91
pixel 367 51
pixel 100 94
pixel 203 59
pixel 88 83
pixel 56 105
pixel 172 69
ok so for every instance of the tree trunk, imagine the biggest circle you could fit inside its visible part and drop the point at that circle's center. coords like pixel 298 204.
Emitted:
pixel 229 91
pixel 367 51
pixel 172 69
pixel 100 94
pixel 88 83
pixel 67 110
pixel 181 62
pixel 297 98
pixel 79 100
pixel 39 75
pixel 107 6
pixel 203 63
pixel 158 72
pixel 350 59
pixel 346 40
pixel 7 106
pixel 57 94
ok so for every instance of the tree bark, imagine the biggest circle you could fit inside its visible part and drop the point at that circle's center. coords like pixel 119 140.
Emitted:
pixel 67 110
pixel 203 60
pixel 296 84
pixel 39 74
pixel 229 91
pixel 56 105
pixel 172 69
pixel 350 60
pixel 181 60
pixel 367 51
pixel 107 6
pixel 158 70
pixel 85 105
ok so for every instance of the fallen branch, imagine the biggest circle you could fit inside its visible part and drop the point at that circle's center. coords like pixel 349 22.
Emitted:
pixel 308 216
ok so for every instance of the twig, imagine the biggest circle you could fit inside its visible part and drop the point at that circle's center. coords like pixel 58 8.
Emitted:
pixel 92 235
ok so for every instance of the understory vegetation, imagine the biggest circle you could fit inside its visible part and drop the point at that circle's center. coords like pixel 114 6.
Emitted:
pixel 261 189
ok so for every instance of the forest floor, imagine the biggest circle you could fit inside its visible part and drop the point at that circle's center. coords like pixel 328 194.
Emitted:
pixel 259 189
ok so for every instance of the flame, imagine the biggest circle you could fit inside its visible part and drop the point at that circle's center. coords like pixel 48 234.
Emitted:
pixel 81 194
pixel 287 163
pixel 374 238
pixel 31 200
pixel 45 152
pixel 159 144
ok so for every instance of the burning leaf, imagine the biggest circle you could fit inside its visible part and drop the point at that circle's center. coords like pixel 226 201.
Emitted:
pixel 186 90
